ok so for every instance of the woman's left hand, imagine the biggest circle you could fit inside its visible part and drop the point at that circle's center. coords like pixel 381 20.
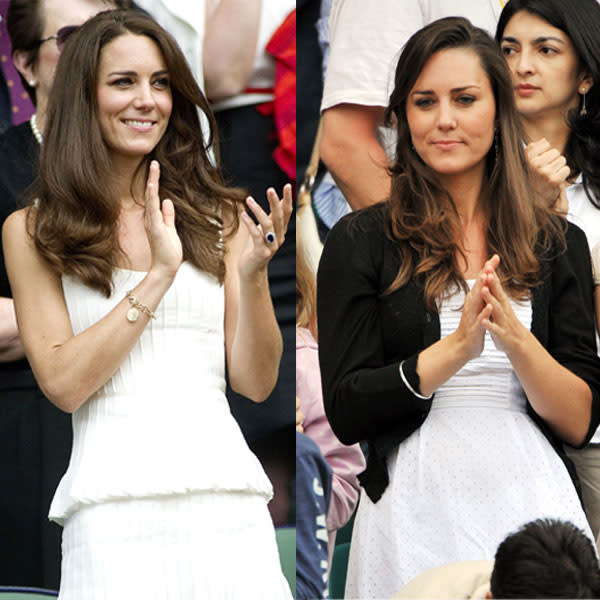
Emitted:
pixel 504 326
pixel 269 234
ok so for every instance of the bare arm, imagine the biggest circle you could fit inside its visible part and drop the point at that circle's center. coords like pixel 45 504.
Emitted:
pixel 252 337
pixel 70 368
pixel 351 151
pixel 11 347
pixel 230 40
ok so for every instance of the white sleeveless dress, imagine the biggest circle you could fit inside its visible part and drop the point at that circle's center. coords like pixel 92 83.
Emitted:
pixel 162 497
pixel 476 470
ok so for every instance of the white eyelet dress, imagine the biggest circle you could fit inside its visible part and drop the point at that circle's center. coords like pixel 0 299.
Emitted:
pixel 476 470
pixel 162 498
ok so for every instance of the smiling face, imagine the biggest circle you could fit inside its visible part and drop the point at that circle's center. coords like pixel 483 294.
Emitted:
pixel 134 96
pixel 543 65
pixel 450 112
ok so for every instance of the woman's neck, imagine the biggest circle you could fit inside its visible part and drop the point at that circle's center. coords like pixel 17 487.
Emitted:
pixel 465 191
pixel 552 127
pixel 130 182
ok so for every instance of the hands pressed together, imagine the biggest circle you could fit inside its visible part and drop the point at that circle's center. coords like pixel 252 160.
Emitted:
pixel 487 308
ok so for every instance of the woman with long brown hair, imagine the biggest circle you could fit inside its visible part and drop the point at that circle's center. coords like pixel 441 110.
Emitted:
pixel 455 327
pixel 133 289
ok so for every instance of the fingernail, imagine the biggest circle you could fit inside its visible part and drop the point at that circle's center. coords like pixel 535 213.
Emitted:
pixel 250 200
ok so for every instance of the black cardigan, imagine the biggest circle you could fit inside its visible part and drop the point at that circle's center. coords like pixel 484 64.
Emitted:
pixel 364 335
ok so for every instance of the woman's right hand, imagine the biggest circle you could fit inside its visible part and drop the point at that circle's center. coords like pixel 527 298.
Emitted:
pixel 471 331
pixel 165 244
pixel 549 172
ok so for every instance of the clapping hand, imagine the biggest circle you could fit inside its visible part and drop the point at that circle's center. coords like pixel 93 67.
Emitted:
pixel 475 312
pixel 269 234
pixel 165 245
pixel 504 326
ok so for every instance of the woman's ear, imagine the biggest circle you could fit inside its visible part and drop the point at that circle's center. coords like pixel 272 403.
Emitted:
pixel 585 84
pixel 21 60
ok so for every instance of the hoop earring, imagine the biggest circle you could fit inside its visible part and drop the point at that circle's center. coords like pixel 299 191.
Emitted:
pixel 583 111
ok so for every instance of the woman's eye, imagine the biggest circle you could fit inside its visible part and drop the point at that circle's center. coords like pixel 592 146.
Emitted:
pixel 122 81
pixel 548 51
pixel 424 102
pixel 163 82
pixel 507 50
pixel 466 100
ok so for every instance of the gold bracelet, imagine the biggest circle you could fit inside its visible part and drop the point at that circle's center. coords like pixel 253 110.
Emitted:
pixel 134 312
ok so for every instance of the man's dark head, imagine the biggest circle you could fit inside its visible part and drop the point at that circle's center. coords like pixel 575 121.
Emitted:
pixel 546 558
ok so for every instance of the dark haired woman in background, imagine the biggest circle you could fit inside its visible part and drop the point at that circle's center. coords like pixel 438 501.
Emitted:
pixel 456 331
pixel 129 307
pixel 553 51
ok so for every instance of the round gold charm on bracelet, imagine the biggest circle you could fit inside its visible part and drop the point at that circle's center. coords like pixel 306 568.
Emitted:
pixel 132 314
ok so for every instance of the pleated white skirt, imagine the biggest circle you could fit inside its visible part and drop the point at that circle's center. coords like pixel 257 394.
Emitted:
pixel 205 545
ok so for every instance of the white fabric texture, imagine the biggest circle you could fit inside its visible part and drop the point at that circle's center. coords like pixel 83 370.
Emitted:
pixel 160 428
pixel 476 470
pixel 203 545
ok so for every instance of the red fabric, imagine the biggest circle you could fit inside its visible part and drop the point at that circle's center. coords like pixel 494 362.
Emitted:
pixel 282 46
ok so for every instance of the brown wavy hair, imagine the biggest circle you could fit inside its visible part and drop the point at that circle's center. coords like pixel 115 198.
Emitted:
pixel 422 217
pixel 306 292
pixel 75 224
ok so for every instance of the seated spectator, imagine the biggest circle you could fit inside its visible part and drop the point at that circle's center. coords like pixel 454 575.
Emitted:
pixel 546 558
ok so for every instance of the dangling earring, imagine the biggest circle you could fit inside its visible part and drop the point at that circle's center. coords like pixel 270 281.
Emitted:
pixel 496 144
pixel 583 110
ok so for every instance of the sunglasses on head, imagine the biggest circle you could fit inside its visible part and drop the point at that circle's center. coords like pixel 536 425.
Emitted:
pixel 60 36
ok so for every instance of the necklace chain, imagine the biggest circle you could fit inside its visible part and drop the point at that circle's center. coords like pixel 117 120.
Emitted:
pixel 34 128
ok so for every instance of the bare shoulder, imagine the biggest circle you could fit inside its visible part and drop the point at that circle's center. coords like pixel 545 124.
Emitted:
pixel 14 231
pixel 23 261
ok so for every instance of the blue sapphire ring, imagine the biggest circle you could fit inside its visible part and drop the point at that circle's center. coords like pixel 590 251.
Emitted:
pixel 269 237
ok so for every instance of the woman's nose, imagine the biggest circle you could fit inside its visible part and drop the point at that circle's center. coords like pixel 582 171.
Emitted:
pixel 446 116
